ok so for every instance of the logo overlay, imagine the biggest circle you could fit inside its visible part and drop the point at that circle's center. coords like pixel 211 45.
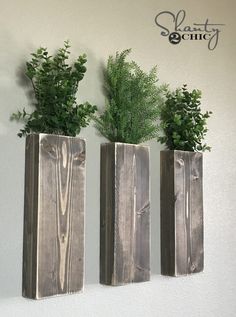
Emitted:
pixel 173 27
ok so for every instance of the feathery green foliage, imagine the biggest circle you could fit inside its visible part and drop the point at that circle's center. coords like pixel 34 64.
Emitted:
pixel 55 84
pixel 133 98
pixel 182 123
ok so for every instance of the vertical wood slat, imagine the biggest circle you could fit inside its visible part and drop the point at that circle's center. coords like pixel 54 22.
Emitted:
pixel 125 214
pixel 181 213
pixel 53 251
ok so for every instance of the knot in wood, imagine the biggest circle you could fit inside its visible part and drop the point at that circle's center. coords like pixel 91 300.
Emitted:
pixel 79 158
pixel 49 149
pixel 180 162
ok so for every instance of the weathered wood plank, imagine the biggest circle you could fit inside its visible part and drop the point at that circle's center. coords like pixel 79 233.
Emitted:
pixel 196 220
pixel 53 254
pixel 125 214
pixel 30 216
pixel 181 213
pixel 167 197
pixel 107 212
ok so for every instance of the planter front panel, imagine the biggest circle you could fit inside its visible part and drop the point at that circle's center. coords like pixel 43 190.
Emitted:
pixel 54 216
pixel 181 213
pixel 125 214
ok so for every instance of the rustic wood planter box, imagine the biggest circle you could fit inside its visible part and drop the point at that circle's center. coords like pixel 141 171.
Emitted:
pixel 53 251
pixel 181 213
pixel 125 214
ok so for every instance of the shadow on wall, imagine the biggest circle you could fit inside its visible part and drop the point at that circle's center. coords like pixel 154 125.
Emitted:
pixel 11 214
pixel 155 149
pixel 12 172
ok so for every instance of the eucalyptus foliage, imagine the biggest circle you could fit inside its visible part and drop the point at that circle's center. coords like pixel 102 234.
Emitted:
pixel 182 123
pixel 132 101
pixel 55 84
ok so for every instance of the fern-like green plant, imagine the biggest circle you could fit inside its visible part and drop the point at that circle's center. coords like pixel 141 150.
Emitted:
pixel 132 101
pixel 55 84
pixel 182 124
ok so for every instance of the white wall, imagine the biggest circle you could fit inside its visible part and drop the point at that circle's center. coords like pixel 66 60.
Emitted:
pixel 99 28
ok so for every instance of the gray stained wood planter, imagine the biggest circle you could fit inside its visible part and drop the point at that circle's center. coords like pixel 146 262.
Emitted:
pixel 124 214
pixel 181 213
pixel 53 250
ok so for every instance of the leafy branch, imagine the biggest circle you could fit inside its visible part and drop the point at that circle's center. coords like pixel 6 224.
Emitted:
pixel 55 84
pixel 132 100
pixel 182 124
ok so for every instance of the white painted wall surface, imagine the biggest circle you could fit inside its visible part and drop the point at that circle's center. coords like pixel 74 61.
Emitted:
pixel 99 28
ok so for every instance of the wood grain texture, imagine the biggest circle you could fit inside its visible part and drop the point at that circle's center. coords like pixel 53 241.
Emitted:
pixel 125 214
pixel 53 254
pixel 182 250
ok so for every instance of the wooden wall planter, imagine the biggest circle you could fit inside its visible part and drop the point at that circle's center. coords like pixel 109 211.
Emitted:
pixel 53 251
pixel 181 213
pixel 125 214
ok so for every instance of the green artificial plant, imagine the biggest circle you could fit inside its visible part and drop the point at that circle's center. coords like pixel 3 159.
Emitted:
pixel 132 101
pixel 55 84
pixel 183 126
